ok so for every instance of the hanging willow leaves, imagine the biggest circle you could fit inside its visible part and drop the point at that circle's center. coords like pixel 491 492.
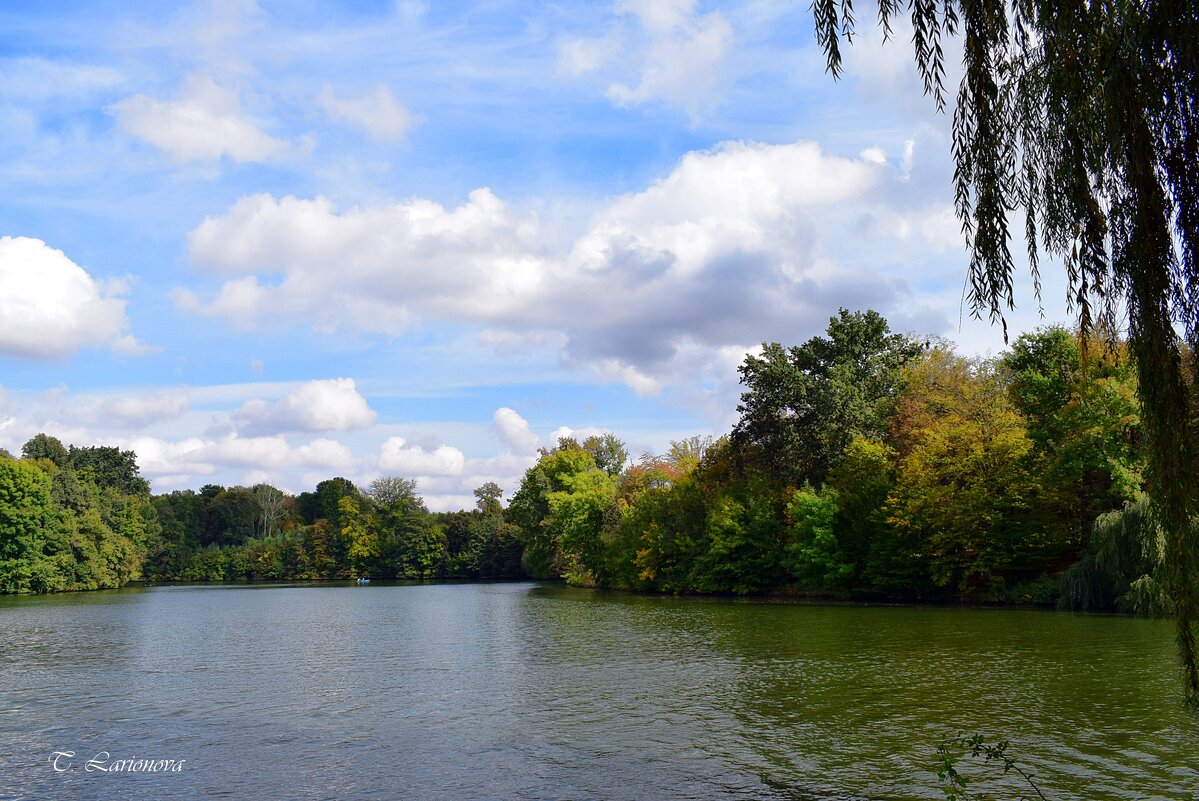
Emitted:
pixel 1083 117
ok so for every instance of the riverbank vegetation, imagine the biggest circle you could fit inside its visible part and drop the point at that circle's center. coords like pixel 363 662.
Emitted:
pixel 864 463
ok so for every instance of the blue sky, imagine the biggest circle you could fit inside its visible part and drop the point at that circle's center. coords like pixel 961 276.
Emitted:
pixel 287 241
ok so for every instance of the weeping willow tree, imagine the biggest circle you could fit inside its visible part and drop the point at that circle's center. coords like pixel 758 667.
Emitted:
pixel 1123 565
pixel 1081 116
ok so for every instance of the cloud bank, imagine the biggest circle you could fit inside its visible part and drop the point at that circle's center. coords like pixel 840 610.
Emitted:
pixel 738 244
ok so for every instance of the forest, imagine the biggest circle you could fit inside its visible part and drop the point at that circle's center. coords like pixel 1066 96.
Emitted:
pixel 864 464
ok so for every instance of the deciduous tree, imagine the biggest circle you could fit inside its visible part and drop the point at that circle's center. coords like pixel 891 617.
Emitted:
pixel 1083 118
pixel 803 405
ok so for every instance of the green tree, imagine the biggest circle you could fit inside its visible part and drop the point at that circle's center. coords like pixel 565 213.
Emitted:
pixel 181 515
pixel 489 498
pixel 1123 566
pixel 814 556
pixel 325 548
pixel 481 543
pixel 1083 117
pixel 414 546
pixel 862 479
pixel 741 546
pixel 394 492
pixel 363 547
pixel 1045 367
pixel 530 506
pixel 231 517
pixel 35 554
pixel 323 502
pixel 608 452
pixel 685 455
pixel 103 558
pixel 43 446
pixel 463 543
pixel 665 526
pixel 967 483
pixel 110 467
pixel 803 405
pixel 575 522
pixel 1084 418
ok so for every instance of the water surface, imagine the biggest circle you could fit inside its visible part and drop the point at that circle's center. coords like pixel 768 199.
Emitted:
pixel 528 691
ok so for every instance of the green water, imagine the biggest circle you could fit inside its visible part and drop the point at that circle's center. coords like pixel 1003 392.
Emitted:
pixel 530 691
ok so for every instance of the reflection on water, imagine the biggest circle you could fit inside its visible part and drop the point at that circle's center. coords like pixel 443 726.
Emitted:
pixel 528 691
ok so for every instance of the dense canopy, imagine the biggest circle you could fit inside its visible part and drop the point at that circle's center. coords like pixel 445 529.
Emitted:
pixel 1082 118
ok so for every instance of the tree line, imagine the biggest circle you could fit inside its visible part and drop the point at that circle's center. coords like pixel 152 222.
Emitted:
pixel 871 464
pixel 864 463
pixel 83 518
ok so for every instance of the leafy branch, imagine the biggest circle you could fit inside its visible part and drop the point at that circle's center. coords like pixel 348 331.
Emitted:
pixel 952 749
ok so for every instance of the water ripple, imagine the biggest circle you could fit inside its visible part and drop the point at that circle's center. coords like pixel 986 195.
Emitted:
pixel 523 691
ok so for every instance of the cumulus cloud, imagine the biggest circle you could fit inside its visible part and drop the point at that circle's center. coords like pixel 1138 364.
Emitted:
pixel 397 456
pixel 377 266
pixel 740 244
pixel 321 405
pixel 204 123
pixel 378 114
pixel 324 453
pixel 50 306
pixel 514 431
pixel 169 461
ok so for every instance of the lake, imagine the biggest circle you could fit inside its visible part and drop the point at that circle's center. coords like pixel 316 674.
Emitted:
pixel 539 691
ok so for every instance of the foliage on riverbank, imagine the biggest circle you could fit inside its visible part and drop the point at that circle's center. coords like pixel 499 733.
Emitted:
pixel 864 464
pixel 72 519
pixel 335 532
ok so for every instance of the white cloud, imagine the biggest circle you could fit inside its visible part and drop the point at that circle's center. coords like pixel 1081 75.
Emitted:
pixel 674 56
pixel 173 460
pixel 446 478
pixel 397 456
pixel 611 369
pixel 577 434
pixel 659 16
pixel 681 61
pixel 50 306
pixel 325 453
pixel 378 114
pixel 321 405
pixel 129 345
pixel 204 123
pixel 159 457
pixel 228 20
pixel 128 411
pixel 582 56
pixel 37 78
pixel 514 431
pixel 374 266
pixel 233 449
pixel 740 244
